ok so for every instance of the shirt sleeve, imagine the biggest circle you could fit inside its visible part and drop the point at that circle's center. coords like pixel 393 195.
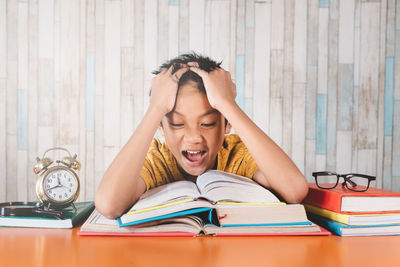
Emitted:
pixel 159 166
pixel 154 171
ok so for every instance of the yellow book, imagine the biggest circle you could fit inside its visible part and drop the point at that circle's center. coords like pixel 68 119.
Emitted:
pixel 356 219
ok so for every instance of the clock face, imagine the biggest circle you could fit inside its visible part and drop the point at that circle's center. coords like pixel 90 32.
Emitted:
pixel 60 185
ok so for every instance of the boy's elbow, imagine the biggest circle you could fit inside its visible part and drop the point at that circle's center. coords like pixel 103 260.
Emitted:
pixel 106 207
pixel 299 192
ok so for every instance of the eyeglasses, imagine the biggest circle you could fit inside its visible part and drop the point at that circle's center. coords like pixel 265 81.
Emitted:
pixel 353 181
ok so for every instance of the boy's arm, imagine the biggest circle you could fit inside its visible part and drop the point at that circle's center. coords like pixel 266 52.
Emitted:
pixel 121 185
pixel 276 170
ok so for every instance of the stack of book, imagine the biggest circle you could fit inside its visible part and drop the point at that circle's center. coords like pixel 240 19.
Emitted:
pixel 218 203
pixel 349 213
pixel 72 218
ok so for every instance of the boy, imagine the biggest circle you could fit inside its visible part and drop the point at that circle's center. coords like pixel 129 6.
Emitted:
pixel 192 103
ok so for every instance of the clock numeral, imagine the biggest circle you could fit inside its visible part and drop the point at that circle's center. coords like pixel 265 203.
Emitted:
pixel 54 195
pixel 59 196
pixel 70 190
pixel 70 184
pixel 65 195
pixel 48 186
pixel 49 180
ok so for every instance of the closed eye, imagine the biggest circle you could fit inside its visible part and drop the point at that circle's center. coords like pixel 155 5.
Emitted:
pixel 208 124
pixel 175 124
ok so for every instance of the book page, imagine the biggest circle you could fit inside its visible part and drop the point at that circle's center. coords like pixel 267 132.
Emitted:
pixel 222 186
pixel 98 223
pixel 167 193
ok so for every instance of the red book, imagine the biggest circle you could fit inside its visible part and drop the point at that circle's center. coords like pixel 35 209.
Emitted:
pixel 342 200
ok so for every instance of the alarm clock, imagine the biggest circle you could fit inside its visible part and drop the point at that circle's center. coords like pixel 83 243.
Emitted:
pixel 57 185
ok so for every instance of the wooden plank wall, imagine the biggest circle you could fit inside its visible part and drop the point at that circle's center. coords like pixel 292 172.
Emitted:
pixel 322 78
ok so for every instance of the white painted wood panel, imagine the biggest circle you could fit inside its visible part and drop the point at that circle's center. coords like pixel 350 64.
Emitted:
pixel 22 39
pixel 22 175
pixel 232 38
pixel 184 26
pixel 241 27
pixel 381 96
pixel 68 111
pixel 288 77
pixel 277 24
pixel 298 124
pixel 173 31
pixel 343 150
pixel 112 66
pixel 32 95
pixel 46 28
pixel 346 31
pixel 369 70
pixel 84 102
pixel 3 39
pixel 3 140
pixel 275 131
pixel 162 38
pixel 261 93
pixel 323 50
pixel 150 49
pixel 300 41
pixel 196 25
pixel 127 23
pixel 310 164
pixel 220 32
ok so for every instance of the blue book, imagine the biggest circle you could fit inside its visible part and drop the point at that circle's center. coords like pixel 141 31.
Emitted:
pixel 355 230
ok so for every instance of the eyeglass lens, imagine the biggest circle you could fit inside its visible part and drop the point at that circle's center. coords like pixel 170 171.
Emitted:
pixel 355 183
pixel 327 181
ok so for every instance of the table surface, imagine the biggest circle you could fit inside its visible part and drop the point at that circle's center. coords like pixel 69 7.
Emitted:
pixel 63 247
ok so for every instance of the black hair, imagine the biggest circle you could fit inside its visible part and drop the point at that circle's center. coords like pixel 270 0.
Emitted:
pixel 204 63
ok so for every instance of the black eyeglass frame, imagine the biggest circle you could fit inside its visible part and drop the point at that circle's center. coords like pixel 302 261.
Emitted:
pixel 346 178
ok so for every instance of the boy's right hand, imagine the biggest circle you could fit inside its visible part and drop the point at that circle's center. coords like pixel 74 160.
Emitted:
pixel 164 87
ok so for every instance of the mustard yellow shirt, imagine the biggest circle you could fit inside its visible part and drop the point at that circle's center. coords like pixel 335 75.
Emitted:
pixel 160 166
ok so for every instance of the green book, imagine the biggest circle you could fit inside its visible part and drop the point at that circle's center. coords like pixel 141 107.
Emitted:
pixel 72 218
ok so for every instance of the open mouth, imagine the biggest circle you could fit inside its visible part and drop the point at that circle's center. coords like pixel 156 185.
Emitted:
pixel 193 156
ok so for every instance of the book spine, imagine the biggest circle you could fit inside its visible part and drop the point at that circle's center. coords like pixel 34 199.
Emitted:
pixel 324 199
pixel 330 225
pixel 342 218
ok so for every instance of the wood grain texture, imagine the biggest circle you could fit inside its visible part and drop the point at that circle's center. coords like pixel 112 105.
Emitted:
pixel 261 91
pixel 320 77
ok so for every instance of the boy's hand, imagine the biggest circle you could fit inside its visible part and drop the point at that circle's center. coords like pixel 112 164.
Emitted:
pixel 164 87
pixel 218 84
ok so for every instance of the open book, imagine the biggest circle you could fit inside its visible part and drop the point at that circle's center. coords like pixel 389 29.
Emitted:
pixel 218 203
pixel 213 189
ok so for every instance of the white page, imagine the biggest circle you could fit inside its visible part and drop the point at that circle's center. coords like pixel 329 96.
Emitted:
pixel 222 186
pixel 167 193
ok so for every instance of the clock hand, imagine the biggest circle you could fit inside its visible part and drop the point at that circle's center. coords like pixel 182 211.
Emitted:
pixel 57 186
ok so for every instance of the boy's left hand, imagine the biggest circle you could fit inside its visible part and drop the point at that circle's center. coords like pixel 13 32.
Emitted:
pixel 218 84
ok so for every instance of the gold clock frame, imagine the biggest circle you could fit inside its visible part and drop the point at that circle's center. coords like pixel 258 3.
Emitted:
pixel 44 198
pixel 42 169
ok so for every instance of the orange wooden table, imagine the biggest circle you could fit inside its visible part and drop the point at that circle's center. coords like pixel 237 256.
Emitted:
pixel 63 247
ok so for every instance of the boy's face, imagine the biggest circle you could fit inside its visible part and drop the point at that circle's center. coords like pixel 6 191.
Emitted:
pixel 194 131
